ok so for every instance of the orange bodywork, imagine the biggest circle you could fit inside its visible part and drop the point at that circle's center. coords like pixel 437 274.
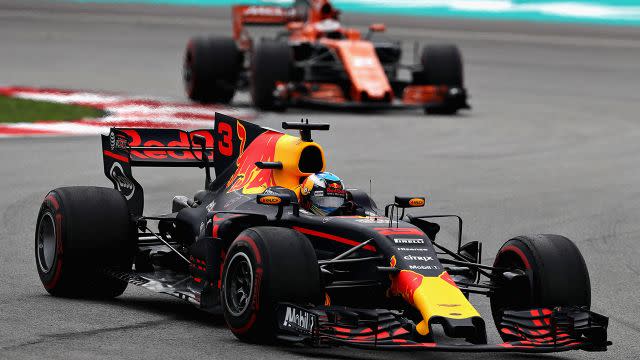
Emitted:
pixel 257 14
pixel 358 56
pixel 318 23
pixel 361 63
pixel 318 91
pixel 420 94
pixel 276 15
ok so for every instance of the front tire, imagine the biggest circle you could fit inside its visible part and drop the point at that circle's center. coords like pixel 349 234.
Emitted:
pixel 441 65
pixel 80 232
pixel 263 267
pixel 556 275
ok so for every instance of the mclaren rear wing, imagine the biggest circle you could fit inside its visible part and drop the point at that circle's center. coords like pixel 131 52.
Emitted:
pixel 243 15
pixel 219 147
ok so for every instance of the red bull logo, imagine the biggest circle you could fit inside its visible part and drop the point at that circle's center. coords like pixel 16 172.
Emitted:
pixel 335 188
pixel 432 296
pixel 405 284
pixel 248 178
pixel 182 140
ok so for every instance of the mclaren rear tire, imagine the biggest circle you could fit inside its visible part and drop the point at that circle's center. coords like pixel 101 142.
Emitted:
pixel 81 232
pixel 270 65
pixel 556 275
pixel 211 69
pixel 263 267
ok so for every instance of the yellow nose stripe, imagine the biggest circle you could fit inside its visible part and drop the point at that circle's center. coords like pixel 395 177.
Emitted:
pixel 433 296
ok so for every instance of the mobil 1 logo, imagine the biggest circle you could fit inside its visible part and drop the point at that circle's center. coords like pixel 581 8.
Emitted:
pixel 295 319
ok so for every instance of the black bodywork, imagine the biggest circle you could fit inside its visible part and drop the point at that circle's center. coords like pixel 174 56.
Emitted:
pixel 184 254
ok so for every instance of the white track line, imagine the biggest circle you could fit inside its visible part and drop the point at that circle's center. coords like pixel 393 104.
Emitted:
pixel 122 111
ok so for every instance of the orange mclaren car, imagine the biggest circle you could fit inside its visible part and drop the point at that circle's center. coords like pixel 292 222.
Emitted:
pixel 314 60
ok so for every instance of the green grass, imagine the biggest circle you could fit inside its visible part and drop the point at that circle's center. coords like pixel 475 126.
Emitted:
pixel 22 110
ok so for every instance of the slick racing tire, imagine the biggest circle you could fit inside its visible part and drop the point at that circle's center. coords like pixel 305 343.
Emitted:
pixel 80 232
pixel 263 267
pixel 270 63
pixel 556 275
pixel 441 65
pixel 211 69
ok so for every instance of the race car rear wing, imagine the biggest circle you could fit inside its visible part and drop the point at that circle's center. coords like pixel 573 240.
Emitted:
pixel 262 15
pixel 219 147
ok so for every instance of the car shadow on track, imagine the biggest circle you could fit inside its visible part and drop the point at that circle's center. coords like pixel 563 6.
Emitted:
pixel 305 111
pixel 167 306
pixel 356 354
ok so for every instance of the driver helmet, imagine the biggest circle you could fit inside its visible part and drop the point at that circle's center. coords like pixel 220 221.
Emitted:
pixel 322 193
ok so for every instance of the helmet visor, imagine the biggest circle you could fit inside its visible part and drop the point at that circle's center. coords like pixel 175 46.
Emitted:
pixel 326 204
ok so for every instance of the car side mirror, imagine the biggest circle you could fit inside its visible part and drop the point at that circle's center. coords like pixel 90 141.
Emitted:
pixel 409 202
pixel 279 200
pixel 403 202
pixel 274 199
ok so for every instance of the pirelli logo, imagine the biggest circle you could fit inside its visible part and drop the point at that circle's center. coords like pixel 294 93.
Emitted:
pixel 408 241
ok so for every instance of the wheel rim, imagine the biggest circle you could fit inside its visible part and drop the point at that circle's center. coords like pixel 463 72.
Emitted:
pixel 517 295
pixel 46 242
pixel 239 284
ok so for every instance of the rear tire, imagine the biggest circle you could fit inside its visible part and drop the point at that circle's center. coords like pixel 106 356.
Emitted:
pixel 271 63
pixel 263 267
pixel 211 69
pixel 556 275
pixel 80 232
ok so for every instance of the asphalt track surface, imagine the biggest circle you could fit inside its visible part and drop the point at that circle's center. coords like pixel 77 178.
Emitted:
pixel 551 146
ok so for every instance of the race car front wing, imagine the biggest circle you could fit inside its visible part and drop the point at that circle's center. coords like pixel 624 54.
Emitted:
pixel 538 330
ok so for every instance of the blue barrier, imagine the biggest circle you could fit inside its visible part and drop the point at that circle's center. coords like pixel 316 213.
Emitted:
pixel 610 12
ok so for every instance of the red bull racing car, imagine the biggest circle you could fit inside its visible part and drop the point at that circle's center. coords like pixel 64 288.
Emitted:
pixel 317 61
pixel 365 277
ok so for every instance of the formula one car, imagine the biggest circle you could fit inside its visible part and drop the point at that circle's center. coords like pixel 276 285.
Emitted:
pixel 317 62
pixel 243 246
